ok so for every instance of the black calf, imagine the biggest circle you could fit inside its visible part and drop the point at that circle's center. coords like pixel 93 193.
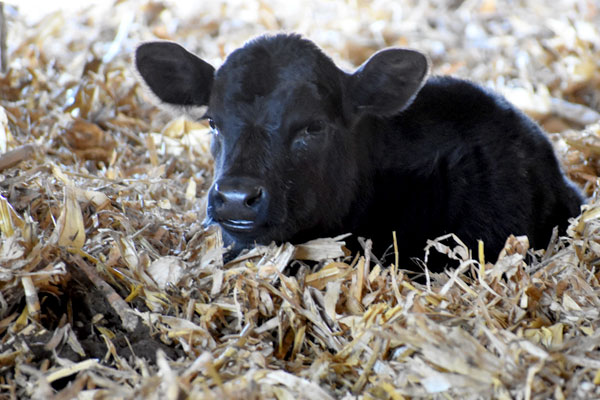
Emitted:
pixel 303 149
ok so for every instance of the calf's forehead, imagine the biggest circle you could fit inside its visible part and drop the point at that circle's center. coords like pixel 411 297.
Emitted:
pixel 288 103
pixel 281 67
pixel 285 105
pixel 262 77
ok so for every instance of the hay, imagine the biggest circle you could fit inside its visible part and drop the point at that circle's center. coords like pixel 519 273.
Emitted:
pixel 111 288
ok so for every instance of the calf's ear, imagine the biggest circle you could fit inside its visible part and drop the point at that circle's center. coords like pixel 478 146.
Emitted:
pixel 173 74
pixel 387 82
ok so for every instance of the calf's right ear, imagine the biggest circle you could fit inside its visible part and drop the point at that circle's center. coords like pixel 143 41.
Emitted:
pixel 173 74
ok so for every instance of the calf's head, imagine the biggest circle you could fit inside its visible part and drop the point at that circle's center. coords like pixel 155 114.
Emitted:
pixel 290 158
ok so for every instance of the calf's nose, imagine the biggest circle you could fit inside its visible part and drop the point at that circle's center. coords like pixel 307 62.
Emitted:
pixel 238 199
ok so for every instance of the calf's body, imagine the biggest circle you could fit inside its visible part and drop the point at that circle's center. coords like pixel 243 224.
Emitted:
pixel 461 159
pixel 305 150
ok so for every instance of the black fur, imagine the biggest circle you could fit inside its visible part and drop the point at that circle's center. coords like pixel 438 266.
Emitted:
pixel 304 150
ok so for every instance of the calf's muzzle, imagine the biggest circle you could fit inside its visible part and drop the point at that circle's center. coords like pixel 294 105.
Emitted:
pixel 238 204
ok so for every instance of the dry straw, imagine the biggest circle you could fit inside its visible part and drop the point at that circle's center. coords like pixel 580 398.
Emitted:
pixel 111 288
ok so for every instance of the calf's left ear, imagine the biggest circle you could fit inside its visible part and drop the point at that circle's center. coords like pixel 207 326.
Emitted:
pixel 387 82
pixel 173 74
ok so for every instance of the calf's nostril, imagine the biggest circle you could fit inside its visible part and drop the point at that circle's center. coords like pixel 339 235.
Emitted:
pixel 253 196
pixel 218 197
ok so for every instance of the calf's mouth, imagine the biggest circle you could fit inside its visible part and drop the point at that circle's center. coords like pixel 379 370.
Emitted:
pixel 238 225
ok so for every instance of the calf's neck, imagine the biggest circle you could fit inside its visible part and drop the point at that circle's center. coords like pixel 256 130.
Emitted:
pixel 303 149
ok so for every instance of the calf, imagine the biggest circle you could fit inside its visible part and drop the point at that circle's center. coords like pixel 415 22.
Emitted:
pixel 303 149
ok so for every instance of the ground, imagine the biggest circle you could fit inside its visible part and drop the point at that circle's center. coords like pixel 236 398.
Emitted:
pixel 111 288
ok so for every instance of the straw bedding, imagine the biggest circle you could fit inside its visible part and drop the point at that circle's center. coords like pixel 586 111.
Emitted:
pixel 111 288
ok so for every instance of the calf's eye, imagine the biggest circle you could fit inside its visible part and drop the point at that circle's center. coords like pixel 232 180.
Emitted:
pixel 310 134
pixel 314 128
pixel 213 127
